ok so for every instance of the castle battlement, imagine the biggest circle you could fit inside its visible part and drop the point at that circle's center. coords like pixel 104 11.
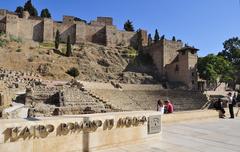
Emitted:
pixel 171 64
pixel 101 30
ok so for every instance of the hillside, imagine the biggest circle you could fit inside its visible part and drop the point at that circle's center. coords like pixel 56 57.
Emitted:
pixel 94 62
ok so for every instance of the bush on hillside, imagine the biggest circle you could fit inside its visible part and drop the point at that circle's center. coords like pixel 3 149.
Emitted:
pixel 3 43
pixel 15 39
pixel 73 72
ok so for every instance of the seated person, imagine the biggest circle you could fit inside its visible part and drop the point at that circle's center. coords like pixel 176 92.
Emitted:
pixel 168 107
pixel 218 105
pixel 160 107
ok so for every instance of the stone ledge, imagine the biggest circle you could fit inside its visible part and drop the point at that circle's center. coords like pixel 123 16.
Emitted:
pixel 189 115
pixel 75 132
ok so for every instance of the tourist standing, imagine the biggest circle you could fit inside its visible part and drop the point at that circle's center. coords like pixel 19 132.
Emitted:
pixel 230 105
pixel 160 107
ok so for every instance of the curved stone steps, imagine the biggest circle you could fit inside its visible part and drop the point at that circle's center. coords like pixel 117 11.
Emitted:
pixel 99 99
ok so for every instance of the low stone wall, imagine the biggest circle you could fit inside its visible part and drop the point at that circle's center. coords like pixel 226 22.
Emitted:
pixel 195 115
pixel 16 79
pixel 78 133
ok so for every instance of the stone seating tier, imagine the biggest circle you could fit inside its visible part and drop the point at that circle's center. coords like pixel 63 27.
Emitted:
pixel 147 100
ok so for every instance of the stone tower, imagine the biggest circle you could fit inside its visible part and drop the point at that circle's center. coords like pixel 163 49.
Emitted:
pixel 184 67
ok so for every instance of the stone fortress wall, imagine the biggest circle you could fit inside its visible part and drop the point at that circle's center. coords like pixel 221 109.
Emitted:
pixel 165 48
pixel 177 62
pixel 101 31
pixel 2 20
pixel 171 65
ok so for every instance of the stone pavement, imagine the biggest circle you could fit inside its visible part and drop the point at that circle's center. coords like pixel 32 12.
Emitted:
pixel 213 135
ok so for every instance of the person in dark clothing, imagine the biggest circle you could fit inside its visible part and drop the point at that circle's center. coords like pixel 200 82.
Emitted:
pixel 238 97
pixel 218 105
pixel 234 99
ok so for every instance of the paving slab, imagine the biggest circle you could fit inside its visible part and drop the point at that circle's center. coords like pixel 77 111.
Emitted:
pixel 221 135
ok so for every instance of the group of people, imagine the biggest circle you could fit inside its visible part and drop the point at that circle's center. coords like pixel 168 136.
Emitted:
pixel 232 100
pixel 164 107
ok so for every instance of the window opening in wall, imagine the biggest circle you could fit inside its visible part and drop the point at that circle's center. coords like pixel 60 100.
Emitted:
pixel 193 82
pixel 193 74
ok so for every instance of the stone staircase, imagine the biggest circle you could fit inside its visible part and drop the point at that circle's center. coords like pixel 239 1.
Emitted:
pixel 108 106
pixel 41 95
pixel 131 100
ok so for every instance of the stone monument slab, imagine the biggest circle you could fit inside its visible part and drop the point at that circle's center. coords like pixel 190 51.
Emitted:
pixel 154 124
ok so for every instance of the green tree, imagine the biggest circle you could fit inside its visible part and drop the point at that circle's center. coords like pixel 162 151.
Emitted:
pixel 69 47
pixel 19 11
pixel 128 26
pixel 79 19
pixel 149 39
pixel 73 72
pixel 231 50
pixel 213 68
pixel 156 36
pixel 45 13
pixel 57 39
pixel 30 8
pixel 139 40
pixel 163 37
pixel 173 38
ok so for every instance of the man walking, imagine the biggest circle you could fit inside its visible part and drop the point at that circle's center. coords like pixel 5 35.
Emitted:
pixel 230 105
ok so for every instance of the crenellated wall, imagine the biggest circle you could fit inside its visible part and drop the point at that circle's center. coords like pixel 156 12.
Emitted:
pixel 65 29
pixel 123 38
pixel 100 31
pixel 30 29
pixel 163 53
pixel 48 30
pixel 170 50
pixel 95 34
pixel 3 14
pixel 81 32
pixel 174 62
pixel 12 25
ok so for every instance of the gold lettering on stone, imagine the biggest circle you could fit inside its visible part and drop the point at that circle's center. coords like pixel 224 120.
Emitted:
pixel 42 131
pixel 128 121
pixel 108 124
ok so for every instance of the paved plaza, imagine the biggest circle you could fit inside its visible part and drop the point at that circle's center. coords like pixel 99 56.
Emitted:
pixel 215 135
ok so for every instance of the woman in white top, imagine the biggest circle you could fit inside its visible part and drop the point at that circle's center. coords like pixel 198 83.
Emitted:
pixel 160 107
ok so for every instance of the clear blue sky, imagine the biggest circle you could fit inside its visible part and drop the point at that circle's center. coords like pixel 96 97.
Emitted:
pixel 204 24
